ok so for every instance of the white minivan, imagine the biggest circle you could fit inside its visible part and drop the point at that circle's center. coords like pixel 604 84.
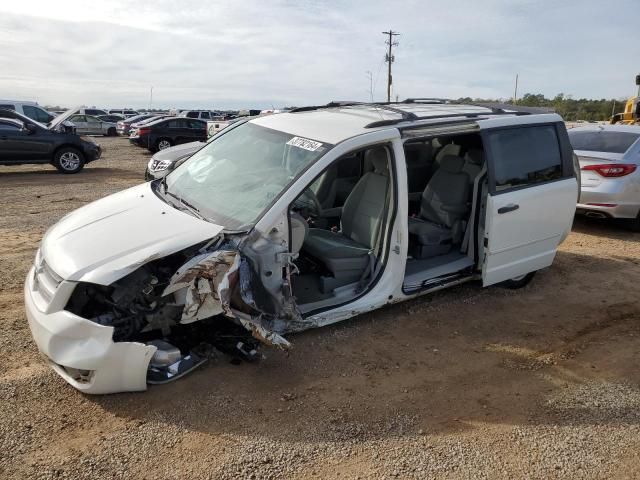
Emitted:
pixel 294 221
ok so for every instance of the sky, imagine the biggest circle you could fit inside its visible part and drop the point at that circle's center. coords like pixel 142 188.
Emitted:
pixel 262 54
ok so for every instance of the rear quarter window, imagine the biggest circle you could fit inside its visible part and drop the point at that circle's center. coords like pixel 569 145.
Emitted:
pixel 525 156
pixel 602 141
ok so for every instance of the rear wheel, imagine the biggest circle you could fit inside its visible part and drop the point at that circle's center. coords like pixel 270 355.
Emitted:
pixel 68 160
pixel 112 132
pixel 633 224
pixel 163 143
pixel 518 282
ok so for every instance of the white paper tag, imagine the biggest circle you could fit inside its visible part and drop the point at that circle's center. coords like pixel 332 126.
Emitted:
pixel 304 143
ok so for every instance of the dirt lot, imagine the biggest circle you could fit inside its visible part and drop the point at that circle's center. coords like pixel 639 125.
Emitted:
pixel 470 383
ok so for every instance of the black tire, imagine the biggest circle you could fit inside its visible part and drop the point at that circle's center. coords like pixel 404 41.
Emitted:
pixel 518 282
pixel 112 132
pixel 633 224
pixel 68 160
pixel 162 144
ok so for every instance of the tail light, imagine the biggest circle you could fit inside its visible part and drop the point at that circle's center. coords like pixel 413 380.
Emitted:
pixel 144 131
pixel 610 170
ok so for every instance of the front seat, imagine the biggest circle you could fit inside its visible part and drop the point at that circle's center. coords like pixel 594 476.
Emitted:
pixel 444 204
pixel 346 253
pixel 473 161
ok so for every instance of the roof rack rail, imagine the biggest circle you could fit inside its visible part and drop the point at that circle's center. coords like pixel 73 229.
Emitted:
pixel 384 123
pixel 382 105
pixel 332 104
pixel 427 100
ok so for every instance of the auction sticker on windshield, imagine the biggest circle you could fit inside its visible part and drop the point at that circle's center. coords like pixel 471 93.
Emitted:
pixel 304 143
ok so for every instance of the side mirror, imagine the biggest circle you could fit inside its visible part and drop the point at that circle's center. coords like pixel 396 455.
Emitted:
pixel 30 128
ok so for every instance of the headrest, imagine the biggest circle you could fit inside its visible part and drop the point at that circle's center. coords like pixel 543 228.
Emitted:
pixel 452 163
pixel 474 155
pixel 378 158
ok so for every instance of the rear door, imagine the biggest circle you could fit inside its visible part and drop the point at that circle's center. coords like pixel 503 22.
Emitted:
pixel 532 198
pixel 197 130
pixel 94 125
pixel 80 121
pixel 178 130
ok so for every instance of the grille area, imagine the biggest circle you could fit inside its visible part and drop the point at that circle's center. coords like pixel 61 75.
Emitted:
pixel 46 281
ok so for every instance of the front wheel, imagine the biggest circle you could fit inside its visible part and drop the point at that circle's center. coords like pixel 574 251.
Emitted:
pixel 68 160
pixel 112 132
pixel 518 282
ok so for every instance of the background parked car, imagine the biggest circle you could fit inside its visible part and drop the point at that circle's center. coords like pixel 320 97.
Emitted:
pixel 123 127
pixel 126 112
pixel 29 109
pixel 609 157
pixel 26 141
pixel 202 114
pixel 166 160
pixel 167 132
pixel 92 111
pixel 146 121
pixel 90 125
pixel 110 118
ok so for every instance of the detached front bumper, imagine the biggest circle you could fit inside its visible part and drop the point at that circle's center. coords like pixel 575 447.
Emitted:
pixel 80 351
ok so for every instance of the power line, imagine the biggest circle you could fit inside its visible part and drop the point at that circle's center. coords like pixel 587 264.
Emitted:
pixel 389 58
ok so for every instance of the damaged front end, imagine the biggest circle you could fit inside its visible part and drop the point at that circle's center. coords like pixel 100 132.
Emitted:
pixel 188 307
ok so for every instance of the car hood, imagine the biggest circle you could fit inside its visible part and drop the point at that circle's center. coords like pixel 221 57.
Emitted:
pixel 63 117
pixel 108 239
pixel 179 151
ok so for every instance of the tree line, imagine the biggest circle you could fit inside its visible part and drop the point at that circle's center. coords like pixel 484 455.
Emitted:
pixel 569 108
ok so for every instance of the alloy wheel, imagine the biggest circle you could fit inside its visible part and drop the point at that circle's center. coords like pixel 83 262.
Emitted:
pixel 69 161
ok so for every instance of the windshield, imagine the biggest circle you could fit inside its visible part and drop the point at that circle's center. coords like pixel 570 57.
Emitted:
pixel 602 141
pixel 234 178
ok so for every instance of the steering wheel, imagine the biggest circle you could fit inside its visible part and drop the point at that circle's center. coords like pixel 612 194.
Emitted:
pixel 308 197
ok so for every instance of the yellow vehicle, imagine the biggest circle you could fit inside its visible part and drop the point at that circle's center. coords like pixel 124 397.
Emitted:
pixel 631 114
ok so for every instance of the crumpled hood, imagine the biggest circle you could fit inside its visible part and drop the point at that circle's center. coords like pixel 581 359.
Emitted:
pixel 107 239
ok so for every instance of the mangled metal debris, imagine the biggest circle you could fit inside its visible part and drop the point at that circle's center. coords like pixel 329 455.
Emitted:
pixel 214 283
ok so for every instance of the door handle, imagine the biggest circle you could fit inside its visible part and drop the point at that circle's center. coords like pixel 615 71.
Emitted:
pixel 508 208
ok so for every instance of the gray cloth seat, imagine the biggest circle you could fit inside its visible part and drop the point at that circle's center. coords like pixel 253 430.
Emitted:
pixel 444 204
pixel 346 253
pixel 473 161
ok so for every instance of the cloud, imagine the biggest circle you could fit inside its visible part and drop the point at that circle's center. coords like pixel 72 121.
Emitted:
pixel 257 54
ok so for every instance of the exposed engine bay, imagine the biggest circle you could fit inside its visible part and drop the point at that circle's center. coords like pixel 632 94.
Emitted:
pixel 192 305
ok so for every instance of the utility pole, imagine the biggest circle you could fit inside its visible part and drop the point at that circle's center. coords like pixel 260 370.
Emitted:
pixel 150 98
pixel 515 92
pixel 389 58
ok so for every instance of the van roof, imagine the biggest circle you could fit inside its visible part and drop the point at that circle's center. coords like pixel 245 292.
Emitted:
pixel 20 102
pixel 338 121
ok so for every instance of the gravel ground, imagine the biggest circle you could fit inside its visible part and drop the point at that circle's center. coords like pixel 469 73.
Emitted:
pixel 468 383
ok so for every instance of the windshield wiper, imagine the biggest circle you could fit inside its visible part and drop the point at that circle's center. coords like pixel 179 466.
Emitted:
pixel 186 204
